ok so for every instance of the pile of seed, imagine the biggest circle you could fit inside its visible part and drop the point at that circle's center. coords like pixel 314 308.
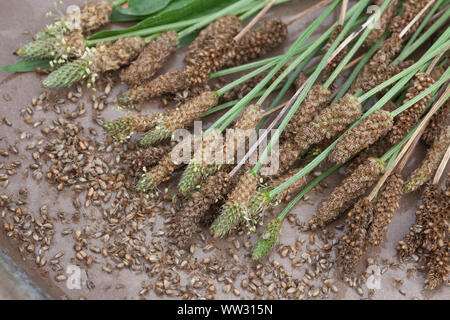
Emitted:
pixel 428 236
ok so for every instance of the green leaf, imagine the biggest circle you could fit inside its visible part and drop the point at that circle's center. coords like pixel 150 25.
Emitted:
pixel 177 10
pixel 143 7
pixel 27 65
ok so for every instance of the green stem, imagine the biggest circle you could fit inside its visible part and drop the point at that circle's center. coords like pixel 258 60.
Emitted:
pixel 347 84
pixel 243 67
pixel 413 68
pixel 192 24
pixel 255 9
pixel 395 149
pixel 228 104
pixel 118 3
pixel 307 189
pixel 248 76
pixel 145 32
pixel 360 7
pixel 287 85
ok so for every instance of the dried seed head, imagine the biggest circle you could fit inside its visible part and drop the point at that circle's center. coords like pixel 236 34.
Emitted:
pixel 300 80
pixel 112 56
pixel 167 83
pixel 151 59
pixel 330 121
pixel 235 209
pixel 265 36
pixel 411 9
pixel 374 73
pixel 230 25
pixel 314 102
pixel 410 117
pixel 384 208
pixel 158 174
pixel 288 154
pixel 126 126
pixel 436 123
pixel 179 118
pixel 429 165
pixel 384 21
pixel 213 55
pixel 146 157
pixel 348 192
pixel 267 240
pixel 367 132
pixel 377 150
pixel 353 244
pixel 95 15
pixel 187 221
pixel 292 188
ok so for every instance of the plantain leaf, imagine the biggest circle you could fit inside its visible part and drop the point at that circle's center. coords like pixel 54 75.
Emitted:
pixel 27 65
pixel 177 10
pixel 143 7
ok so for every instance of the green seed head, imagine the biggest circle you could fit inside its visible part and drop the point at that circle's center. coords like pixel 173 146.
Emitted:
pixel 190 178
pixel 144 184
pixel 154 136
pixel 267 240
pixel 229 218
pixel 68 74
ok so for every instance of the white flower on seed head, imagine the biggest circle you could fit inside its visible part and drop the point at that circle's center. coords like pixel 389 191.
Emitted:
pixel 73 17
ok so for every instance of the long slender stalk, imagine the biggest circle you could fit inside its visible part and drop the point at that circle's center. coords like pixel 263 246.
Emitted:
pixel 307 189
pixel 347 84
pixel 416 66
pixel 118 3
